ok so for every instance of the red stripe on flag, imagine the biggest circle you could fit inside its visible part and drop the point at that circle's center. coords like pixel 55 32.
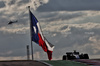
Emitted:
pixel 42 43
pixel 49 53
pixel 44 47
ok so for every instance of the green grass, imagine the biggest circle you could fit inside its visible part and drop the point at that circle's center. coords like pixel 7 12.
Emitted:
pixel 65 63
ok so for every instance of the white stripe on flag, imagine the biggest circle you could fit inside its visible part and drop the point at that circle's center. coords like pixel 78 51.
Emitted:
pixel 40 31
pixel 48 46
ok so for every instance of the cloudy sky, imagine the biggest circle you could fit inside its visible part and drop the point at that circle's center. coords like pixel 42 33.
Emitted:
pixel 68 24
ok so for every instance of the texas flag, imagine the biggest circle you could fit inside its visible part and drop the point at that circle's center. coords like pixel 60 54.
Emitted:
pixel 38 37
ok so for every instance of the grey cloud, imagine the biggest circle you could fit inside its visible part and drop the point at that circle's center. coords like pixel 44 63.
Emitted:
pixel 12 2
pixel 3 22
pixel 56 16
pixel 70 5
pixel 21 2
pixel 77 36
pixel 64 27
pixel 11 42
pixel 2 4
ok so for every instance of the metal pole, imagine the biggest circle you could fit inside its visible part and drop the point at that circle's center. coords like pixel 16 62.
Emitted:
pixel 31 34
pixel 28 53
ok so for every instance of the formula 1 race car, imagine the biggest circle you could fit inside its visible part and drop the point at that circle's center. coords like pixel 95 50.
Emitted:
pixel 74 55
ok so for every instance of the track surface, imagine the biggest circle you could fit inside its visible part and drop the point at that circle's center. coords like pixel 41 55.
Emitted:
pixel 37 63
pixel 21 63
pixel 89 62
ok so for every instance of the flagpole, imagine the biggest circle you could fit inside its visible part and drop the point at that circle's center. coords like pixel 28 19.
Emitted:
pixel 31 34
